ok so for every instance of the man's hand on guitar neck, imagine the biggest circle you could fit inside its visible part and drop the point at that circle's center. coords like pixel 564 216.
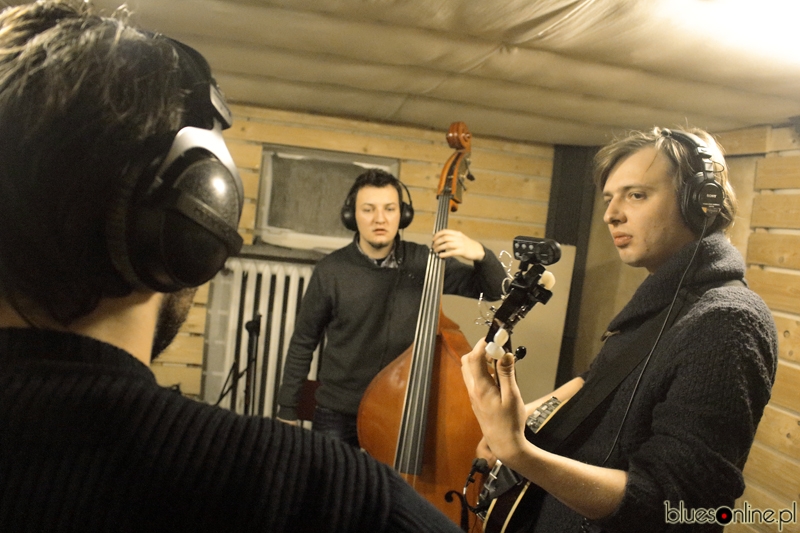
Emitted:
pixel 563 393
pixel 500 410
pixel 593 491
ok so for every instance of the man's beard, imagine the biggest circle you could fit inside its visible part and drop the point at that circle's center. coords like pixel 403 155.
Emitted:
pixel 171 315
pixel 379 245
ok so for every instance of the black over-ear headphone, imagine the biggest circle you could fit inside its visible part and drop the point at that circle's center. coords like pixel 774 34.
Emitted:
pixel 177 218
pixel 348 214
pixel 701 197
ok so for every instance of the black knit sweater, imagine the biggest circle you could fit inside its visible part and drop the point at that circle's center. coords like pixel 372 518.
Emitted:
pixel 694 417
pixel 90 442
pixel 368 316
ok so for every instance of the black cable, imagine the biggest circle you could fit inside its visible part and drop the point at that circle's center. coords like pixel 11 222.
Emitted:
pixel 586 526
pixel 706 224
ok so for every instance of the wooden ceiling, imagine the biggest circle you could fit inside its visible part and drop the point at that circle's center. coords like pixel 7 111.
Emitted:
pixel 553 71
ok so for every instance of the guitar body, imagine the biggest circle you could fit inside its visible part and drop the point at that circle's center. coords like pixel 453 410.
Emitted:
pixel 515 510
pixel 452 431
pixel 515 501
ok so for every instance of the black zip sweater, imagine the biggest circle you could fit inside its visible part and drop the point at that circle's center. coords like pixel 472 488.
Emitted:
pixel 89 442
pixel 694 417
pixel 368 316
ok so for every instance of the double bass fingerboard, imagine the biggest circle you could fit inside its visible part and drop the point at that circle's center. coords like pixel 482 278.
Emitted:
pixel 411 439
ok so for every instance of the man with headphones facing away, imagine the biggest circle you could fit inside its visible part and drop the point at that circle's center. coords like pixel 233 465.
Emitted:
pixel 665 417
pixel 364 300
pixel 118 197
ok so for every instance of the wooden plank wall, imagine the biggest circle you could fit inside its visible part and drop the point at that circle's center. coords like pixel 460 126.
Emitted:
pixel 772 472
pixel 508 198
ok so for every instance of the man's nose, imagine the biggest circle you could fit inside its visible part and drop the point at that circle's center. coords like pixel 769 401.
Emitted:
pixel 613 213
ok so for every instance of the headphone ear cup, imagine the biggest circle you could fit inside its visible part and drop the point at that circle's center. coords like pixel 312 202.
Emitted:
pixel 167 248
pixel 180 232
pixel 183 233
pixel 406 215
pixel 700 198
pixel 348 215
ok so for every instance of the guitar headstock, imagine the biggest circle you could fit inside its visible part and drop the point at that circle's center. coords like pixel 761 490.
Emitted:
pixel 529 286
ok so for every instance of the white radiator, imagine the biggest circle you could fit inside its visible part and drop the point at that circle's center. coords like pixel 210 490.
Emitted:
pixel 243 290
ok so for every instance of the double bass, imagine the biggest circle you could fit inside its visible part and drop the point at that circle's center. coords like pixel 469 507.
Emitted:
pixel 416 415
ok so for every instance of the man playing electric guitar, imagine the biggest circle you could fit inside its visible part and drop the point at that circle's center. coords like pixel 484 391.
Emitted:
pixel 666 415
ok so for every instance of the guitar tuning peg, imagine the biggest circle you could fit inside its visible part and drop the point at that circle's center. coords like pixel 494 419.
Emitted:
pixel 501 337
pixel 470 177
pixel 495 351
pixel 520 353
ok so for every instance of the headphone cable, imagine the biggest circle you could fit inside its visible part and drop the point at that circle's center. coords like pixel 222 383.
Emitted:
pixel 655 344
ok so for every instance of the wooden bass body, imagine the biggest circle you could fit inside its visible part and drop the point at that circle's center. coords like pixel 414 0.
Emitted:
pixel 452 432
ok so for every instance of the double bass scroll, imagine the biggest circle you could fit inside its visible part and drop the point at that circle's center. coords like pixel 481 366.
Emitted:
pixel 456 169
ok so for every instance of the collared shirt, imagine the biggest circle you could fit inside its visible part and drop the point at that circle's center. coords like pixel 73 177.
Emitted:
pixel 390 261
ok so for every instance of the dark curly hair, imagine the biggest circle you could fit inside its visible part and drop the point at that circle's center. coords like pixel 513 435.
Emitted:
pixel 81 96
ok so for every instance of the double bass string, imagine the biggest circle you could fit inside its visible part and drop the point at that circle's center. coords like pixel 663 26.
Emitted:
pixel 416 393
pixel 425 359
pixel 411 438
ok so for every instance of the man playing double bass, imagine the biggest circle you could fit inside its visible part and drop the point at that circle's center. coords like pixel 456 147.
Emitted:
pixel 676 430
pixel 364 300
